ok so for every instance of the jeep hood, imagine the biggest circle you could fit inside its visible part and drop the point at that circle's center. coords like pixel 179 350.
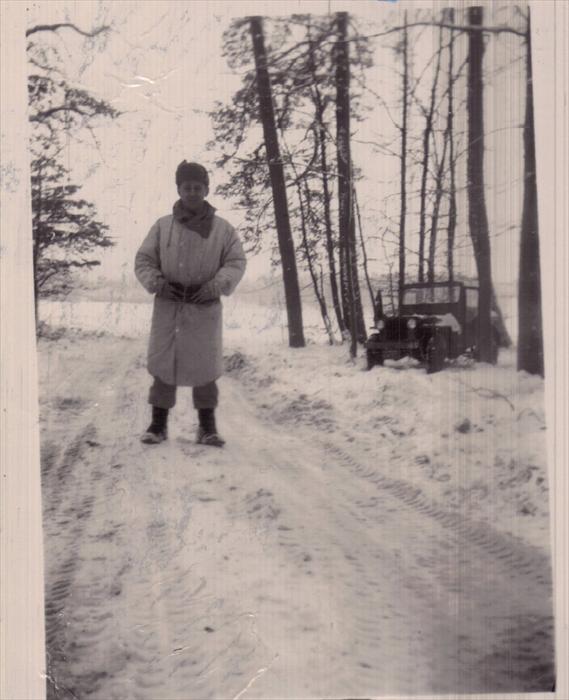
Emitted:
pixel 443 320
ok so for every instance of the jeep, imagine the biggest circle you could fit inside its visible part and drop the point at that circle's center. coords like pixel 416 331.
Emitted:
pixel 436 321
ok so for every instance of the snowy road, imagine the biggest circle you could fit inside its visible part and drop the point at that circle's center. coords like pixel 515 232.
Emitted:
pixel 279 567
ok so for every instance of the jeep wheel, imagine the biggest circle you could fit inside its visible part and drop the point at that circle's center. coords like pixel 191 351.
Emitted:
pixel 374 357
pixel 436 354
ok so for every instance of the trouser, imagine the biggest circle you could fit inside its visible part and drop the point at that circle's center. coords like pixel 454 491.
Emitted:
pixel 164 395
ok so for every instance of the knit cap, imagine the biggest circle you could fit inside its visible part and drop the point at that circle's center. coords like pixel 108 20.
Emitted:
pixel 191 171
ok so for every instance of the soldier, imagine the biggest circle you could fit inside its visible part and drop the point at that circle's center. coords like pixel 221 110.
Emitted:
pixel 188 260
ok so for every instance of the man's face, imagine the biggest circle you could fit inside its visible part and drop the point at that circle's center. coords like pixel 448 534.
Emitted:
pixel 192 194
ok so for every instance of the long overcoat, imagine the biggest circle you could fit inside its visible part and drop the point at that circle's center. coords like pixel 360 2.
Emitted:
pixel 185 345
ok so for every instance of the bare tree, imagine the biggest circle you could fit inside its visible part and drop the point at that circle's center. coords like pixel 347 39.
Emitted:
pixel 429 114
pixel 318 292
pixel 321 130
pixel 365 263
pixel 451 228
pixel 439 188
pixel 530 338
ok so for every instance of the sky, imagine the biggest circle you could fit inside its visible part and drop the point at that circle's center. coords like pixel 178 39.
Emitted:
pixel 162 66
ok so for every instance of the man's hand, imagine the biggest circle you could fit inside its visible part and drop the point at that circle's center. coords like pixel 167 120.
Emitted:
pixel 165 290
pixel 207 292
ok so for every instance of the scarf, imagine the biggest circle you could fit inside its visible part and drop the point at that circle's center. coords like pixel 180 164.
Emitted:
pixel 200 221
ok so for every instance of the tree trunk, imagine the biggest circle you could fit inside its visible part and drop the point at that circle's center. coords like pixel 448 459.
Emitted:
pixel 364 252
pixel 344 174
pixel 361 334
pixel 36 224
pixel 301 181
pixel 403 210
pixel 425 165
pixel 451 230
pixel 477 216
pixel 329 232
pixel 346 226
pixel 436 212
pixel 35 258
pixel 321 135
pixel 447 140
pixel 344 291
pixel 530 335
pixel 286 244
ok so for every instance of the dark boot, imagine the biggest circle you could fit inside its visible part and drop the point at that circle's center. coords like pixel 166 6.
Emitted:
pixel 207 431
pixel 158 429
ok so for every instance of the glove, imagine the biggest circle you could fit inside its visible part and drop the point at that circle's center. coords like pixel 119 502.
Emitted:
pixel 207 292
pixel 165 290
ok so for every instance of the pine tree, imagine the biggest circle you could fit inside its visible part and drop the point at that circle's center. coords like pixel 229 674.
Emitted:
pixel 276 172
pixel 66 232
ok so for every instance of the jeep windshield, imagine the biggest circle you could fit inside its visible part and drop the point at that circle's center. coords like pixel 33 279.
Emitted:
pixel 415 296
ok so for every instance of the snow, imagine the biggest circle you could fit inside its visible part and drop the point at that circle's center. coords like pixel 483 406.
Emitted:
pixel 465 436
pixel 361 534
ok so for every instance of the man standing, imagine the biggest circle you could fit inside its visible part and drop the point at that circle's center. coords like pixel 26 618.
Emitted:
pixel 188 260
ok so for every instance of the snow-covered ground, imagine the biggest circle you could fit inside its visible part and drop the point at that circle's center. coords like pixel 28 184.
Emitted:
pixel 362 533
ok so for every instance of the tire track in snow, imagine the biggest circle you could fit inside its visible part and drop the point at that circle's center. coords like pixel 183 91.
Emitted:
pixel 328 546
pixel 275 588
pixel 65 518
pixel 193 641
pixel 78 582
pixel 112 646
pixel 522 558
pixel 482 672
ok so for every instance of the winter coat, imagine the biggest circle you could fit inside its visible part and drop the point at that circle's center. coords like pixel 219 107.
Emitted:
pixel 185 347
